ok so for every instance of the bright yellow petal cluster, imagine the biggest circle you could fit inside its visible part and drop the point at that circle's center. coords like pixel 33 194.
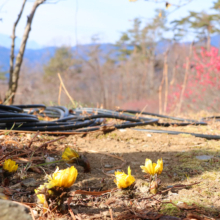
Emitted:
pixel 69 154
pixel 10 165
pixel 153 168
pixel 41 197
pixel 123 180
pixel 63 178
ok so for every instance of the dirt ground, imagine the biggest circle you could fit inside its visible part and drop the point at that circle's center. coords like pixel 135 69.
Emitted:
pixel 189 184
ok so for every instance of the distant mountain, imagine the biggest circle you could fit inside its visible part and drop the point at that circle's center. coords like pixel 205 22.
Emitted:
pixel 5 41
pixel 33 56
pixel 215 41
pixel 42 55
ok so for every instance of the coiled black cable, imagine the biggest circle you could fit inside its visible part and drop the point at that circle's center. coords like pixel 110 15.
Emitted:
pixel 29 118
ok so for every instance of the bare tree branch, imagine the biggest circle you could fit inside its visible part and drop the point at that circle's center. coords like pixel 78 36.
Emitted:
pixel 13 40
pixel 14 75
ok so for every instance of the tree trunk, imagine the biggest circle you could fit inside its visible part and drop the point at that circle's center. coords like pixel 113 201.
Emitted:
pixel 15 69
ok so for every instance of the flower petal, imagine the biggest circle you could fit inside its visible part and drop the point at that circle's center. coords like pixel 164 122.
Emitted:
pixel 123 180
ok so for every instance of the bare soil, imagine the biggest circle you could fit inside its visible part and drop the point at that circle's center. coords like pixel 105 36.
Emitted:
pixel 189 185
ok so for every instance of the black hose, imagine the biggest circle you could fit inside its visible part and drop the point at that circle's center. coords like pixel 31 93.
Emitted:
pixel 190 121
pixel 10 108
pixel 30 106
pixel 26 118
pixel 207 136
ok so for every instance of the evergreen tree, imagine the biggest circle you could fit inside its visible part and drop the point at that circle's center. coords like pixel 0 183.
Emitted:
pixel 62 63
pixel 200 24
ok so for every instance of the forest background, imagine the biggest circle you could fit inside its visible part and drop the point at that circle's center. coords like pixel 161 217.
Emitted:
pixel 143 69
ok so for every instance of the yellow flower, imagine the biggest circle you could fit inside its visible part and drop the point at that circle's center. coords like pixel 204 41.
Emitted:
pixel 63 178
pixel 123 180
pixel 159 167
pixel 154 168
pixel 41 197
pixel 10 165
pixel 69 154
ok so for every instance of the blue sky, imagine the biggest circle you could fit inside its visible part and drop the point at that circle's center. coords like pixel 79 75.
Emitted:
pixel 71 21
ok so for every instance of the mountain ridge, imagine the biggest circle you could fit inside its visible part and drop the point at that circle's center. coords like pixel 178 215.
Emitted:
pixel 44 54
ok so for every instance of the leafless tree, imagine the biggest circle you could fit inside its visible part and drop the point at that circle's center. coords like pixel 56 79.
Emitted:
pixel 15 66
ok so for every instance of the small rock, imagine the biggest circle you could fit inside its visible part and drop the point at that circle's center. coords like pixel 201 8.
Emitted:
pixel 11 210
pixel 30 182
pixel 49 159
pixel 145 145
pixel 112 171
pixel 204 157
pixel 149 135
pixel 108 166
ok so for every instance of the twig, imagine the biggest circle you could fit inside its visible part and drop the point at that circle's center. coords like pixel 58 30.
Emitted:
pixel 6 101
pixel 72 214
pixel 69 208
pixel 185 79
pixel 61 81
pixel 166 82
pixel 110 211
pixel 45 144
pixel 8 154
pixel 33 139
pixel 60 90
pixel 48 132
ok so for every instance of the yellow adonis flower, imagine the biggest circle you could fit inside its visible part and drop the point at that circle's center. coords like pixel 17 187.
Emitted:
pixel 10 166
pixel 123 180
pixel 154 168
pixel 41 197
pixel 62 178
pixel 69 154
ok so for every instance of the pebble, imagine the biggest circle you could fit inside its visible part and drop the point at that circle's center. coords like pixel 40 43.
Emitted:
pixel 112 171
pixel 145 145
pixel 204 157
pixel 49 159
pixel 108 166
pixel 30 182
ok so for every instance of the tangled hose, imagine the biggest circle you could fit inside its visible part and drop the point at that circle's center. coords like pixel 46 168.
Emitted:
pixel 29 118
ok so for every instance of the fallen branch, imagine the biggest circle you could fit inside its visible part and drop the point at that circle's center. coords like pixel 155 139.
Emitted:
pixel 33 139
pixel 49 142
